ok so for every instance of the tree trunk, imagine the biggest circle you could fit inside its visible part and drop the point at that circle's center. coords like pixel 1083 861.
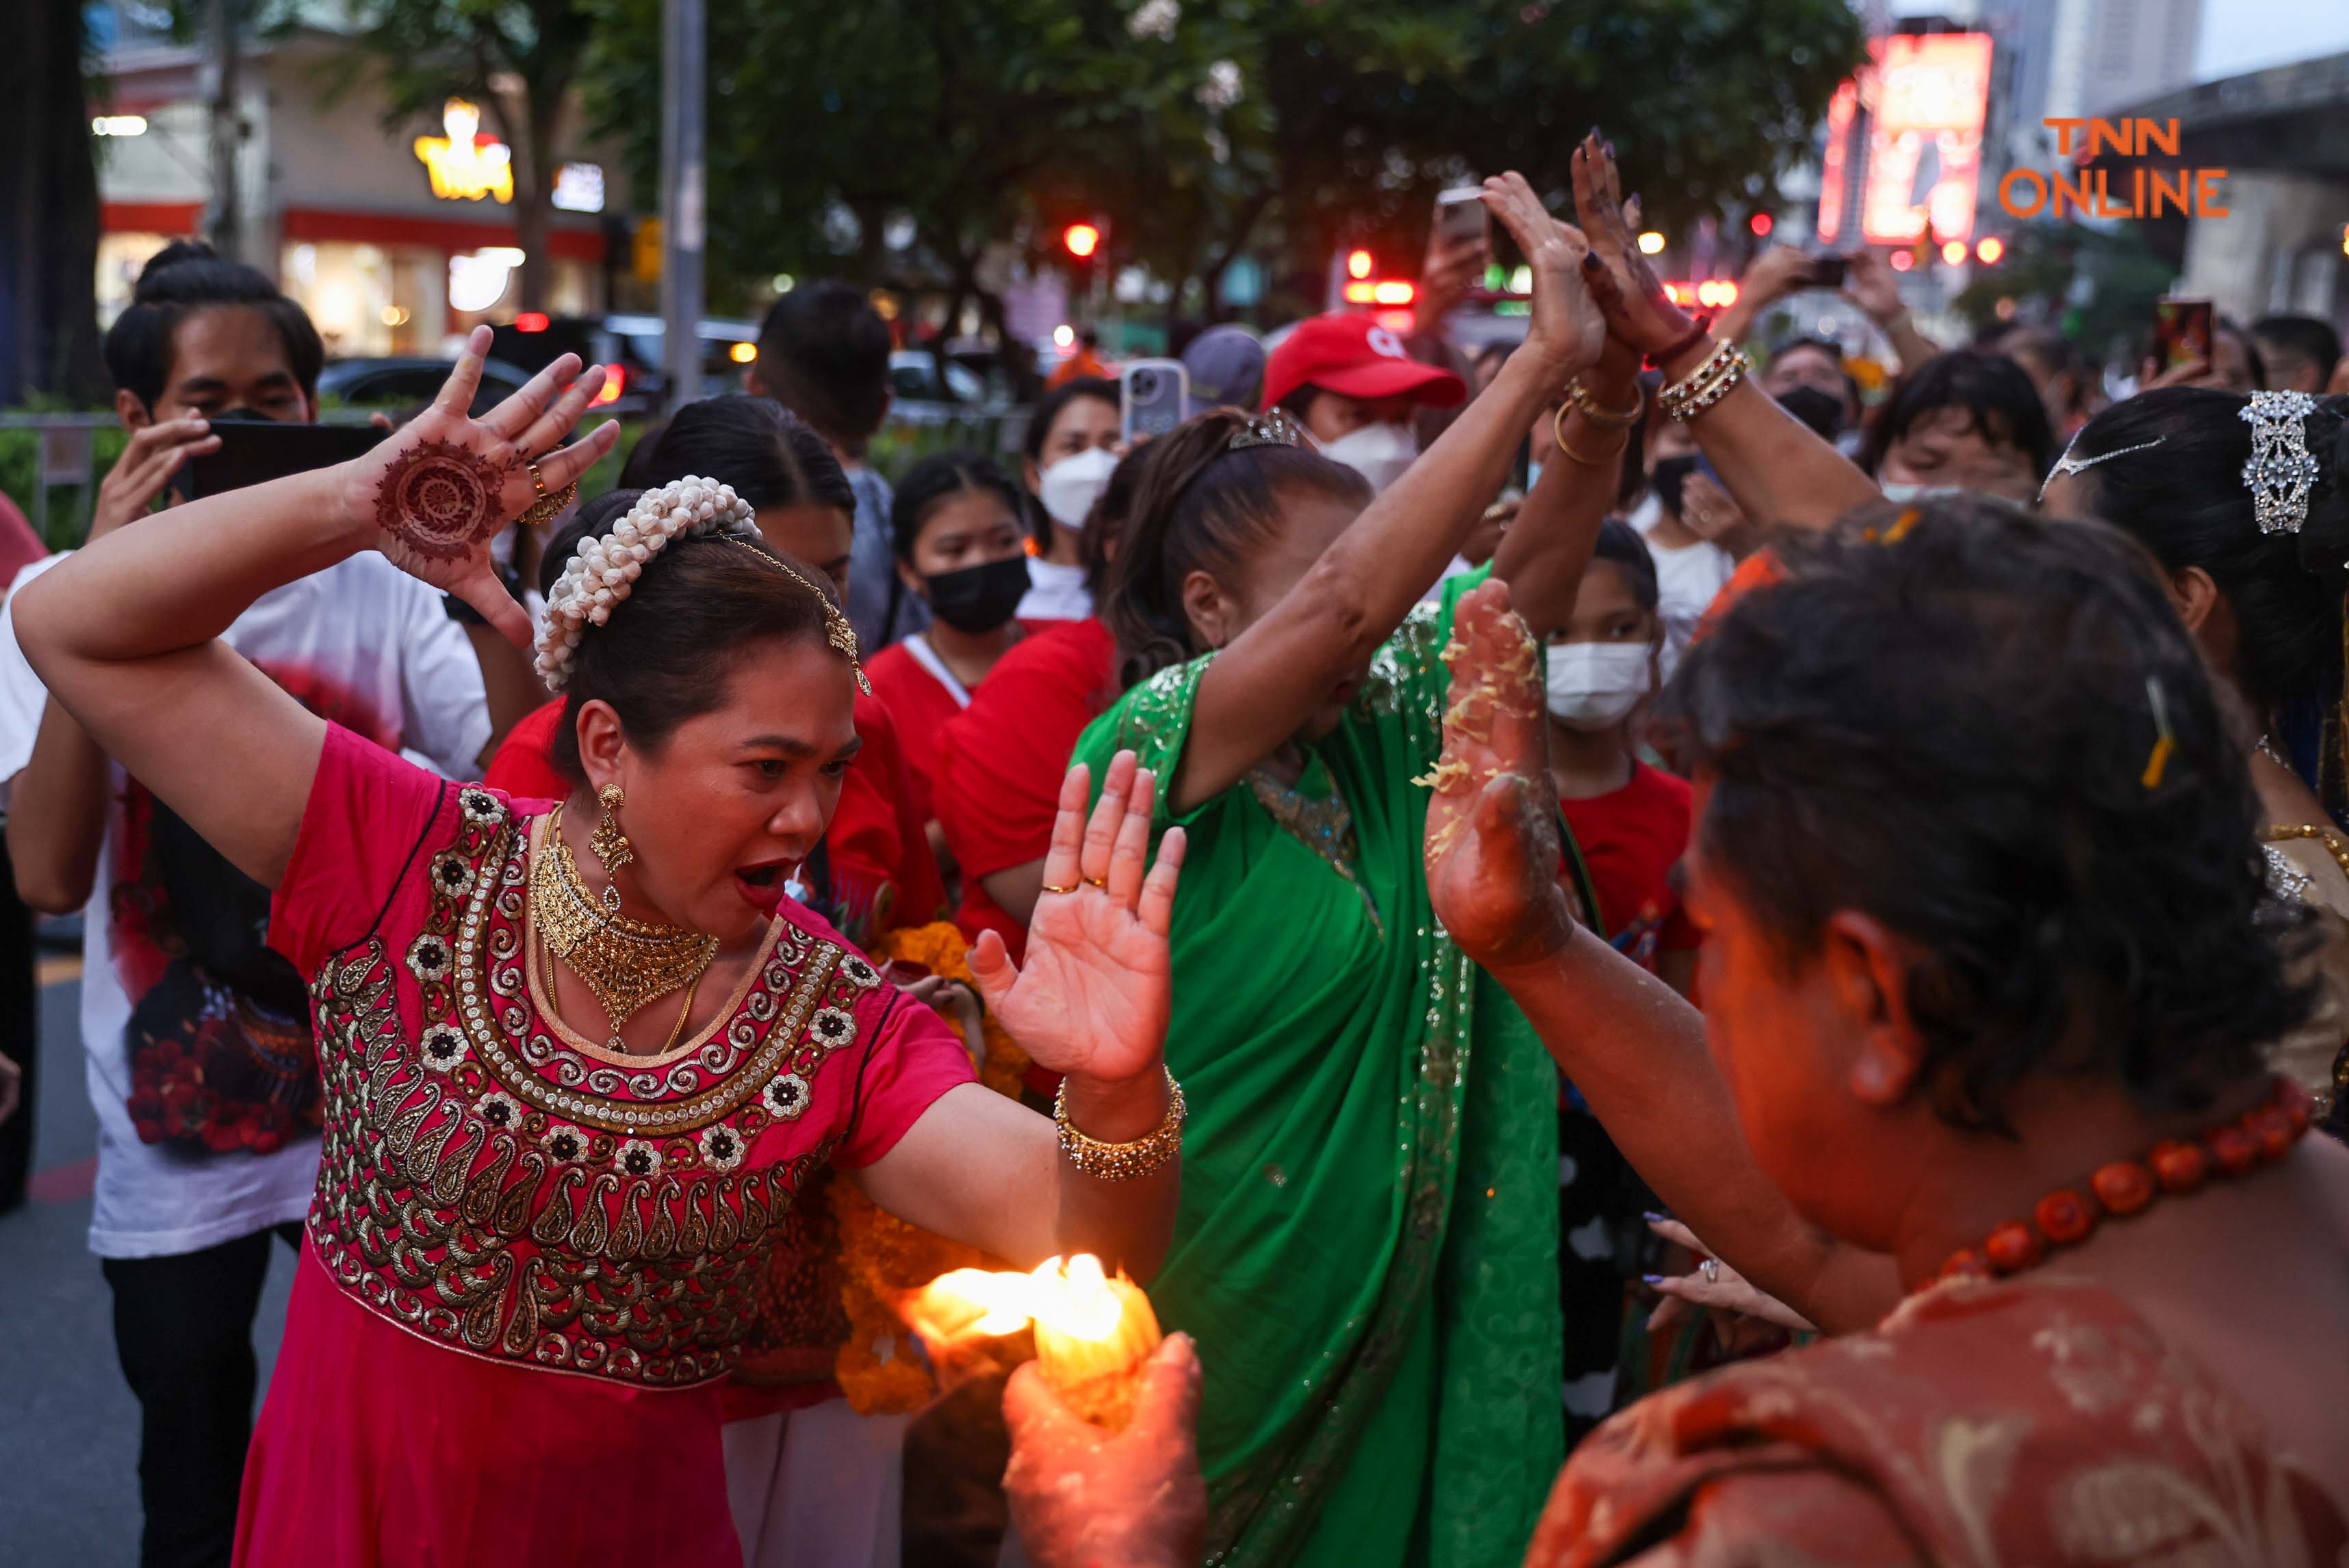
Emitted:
pixel 49 193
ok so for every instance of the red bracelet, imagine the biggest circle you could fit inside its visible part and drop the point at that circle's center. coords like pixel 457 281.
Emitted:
pixel 1696 333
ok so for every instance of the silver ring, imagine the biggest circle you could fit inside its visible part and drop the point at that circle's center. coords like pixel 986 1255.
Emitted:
pixel 1711 1267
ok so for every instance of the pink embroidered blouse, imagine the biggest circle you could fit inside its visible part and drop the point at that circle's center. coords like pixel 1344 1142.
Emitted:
pixel 530 1261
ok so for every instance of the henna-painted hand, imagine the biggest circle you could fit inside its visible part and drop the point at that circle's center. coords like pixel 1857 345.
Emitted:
pixel 1626 289
pixel 1568 330
pixel 1492 827
pixel 433 496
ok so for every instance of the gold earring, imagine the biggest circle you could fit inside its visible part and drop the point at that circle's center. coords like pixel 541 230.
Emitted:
pixel 610 845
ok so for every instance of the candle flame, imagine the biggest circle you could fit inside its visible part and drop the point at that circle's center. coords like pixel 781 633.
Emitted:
pixel 1073 1298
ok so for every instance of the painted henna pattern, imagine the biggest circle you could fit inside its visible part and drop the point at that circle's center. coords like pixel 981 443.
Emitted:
pixel 439 500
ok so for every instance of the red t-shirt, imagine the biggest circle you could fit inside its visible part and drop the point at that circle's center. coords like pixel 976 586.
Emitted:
pixel 1001 759
pixel 922 704
pixel 1630 839
pixel 883 873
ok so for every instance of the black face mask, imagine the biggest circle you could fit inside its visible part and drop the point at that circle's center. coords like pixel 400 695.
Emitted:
pixel 1822 411
pixel 979 599
pixel 1667 478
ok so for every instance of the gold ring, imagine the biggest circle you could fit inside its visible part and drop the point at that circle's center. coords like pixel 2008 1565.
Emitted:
pixel 547 507
pixel 1096 882
pixel 1047 887
pixel 537 480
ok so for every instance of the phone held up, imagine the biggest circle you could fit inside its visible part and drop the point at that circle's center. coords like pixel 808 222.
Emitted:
pixel 254 450
pixel 1153 396
pixel 1461 214
pixel 1828 271
pixel 2181 332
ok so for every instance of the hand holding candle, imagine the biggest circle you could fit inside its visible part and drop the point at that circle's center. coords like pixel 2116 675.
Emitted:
pixel 1092 1331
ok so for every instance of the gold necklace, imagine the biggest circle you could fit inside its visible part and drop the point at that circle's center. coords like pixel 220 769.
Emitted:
pixel 625 962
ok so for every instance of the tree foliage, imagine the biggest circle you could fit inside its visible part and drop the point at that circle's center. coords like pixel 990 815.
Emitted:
pixel 1205 128
pixel 516 58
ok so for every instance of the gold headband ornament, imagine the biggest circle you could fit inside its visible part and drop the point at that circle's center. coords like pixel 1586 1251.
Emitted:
pixel 603 570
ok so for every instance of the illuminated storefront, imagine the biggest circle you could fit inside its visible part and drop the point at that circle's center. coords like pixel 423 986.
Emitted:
pixel 396 240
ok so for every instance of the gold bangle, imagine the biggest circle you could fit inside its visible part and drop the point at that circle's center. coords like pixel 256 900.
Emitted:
pixel 1146 1156
pixel 1609 418
pixel 1557 434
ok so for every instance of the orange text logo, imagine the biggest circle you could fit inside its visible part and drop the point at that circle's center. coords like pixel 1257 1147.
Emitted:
pixel 2091 192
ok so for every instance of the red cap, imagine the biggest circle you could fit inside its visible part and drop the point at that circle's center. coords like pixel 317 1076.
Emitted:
pixel 1349 352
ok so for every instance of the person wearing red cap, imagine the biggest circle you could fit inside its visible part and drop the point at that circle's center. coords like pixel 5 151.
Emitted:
pixel 1349 381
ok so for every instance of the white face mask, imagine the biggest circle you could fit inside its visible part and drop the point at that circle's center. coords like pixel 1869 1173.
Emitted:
pixel 1594 685
pixel 1070 487
pixel 1379 453
pixel 1903 491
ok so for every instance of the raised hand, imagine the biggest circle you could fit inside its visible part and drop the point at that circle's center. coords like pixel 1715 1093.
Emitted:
pixel 1626 289
pixel 1738 1307
pixel 1492 844
pixel 1081 1495
pixel 1567 326
pixel 1092 995
pixel 435 494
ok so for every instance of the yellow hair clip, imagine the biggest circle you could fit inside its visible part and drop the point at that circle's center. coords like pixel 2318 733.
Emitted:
pixel 2164 742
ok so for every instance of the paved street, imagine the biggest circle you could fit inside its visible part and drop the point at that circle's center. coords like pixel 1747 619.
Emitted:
pixel 69 1428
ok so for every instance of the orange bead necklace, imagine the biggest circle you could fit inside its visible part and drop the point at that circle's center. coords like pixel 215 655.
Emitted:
pixel 2175 1167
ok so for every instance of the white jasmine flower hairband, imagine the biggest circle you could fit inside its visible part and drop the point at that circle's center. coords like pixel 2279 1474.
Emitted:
pixel 603 570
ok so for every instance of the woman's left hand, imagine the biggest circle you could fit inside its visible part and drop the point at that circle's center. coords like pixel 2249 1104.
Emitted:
pixel 1738 1309
pixel 1093 997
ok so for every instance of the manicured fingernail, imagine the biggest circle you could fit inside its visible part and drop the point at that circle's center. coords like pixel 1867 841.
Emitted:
pixel 1590 261
pixel 1653 1279
pixel 1652 1217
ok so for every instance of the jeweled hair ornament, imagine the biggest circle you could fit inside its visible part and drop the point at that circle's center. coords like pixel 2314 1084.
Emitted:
pixel 2281 469
pixel 603 570
pixel 1273 429
pixel 2068 464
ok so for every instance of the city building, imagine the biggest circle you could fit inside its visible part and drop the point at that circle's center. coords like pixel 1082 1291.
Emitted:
pixel 396 238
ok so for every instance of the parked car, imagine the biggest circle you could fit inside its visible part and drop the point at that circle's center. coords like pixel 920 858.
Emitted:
pixel 914 378
pixel 400 385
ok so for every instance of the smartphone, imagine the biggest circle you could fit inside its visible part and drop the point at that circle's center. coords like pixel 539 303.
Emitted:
pixel 1152 394
pixel 2181 332
pixel 1461 214
pixel 255 452
pixel 1828 271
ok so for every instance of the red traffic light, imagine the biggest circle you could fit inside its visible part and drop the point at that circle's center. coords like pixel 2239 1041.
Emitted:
pixel 1761 223
pixel 1081 240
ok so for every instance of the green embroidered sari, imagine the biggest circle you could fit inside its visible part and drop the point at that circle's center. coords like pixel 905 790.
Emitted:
pixel 1366 1250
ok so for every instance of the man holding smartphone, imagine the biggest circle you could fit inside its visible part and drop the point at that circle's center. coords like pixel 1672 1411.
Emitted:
pixel 201 1064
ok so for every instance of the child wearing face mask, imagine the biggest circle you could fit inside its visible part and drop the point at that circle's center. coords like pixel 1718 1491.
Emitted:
pixel 1631 821
pixel 1353 387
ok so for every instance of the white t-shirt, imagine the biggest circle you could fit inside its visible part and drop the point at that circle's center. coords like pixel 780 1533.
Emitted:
pixel 1055 592
pixel 1686 582
pixel 362 644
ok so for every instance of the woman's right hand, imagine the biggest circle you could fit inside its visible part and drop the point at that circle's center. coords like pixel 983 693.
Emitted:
pixel 1568 331
pixel 1638 310
pixel 433 495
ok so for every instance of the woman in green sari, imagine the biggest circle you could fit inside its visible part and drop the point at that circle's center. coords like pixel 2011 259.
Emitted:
pixel 1367 1240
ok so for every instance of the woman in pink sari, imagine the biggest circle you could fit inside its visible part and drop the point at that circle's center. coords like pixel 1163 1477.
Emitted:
pixel 578 1065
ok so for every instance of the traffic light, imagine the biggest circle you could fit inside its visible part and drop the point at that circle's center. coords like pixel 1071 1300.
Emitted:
pixel 1761 223
pixel 1081 240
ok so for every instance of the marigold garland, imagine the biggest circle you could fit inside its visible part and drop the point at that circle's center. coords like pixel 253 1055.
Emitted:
pixel 880 1368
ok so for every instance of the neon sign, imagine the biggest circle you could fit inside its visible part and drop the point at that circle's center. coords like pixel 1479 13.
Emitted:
pixel 466 164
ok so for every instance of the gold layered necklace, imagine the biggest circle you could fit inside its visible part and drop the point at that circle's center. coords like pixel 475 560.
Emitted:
pixel 625 962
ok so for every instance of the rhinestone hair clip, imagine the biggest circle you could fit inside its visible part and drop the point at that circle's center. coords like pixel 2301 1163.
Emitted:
pixel 2281 470
pixel 1273 429
pixel 2068 464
